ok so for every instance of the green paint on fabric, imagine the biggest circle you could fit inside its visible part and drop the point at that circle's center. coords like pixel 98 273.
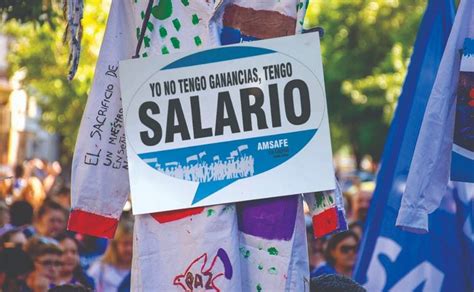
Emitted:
pixel 138 33
pixel 195 19
pixel 177 24
pixel 210 212
pixel 244 252
pixel 144 55
pixel 146 41
pixel 142 14
pixel 319 200
pixel 175 43
pixel 150 26
pixel 272 251
pixel 260 267
pixel 331 199
pixel 185 2
pixel 163 32
pixel 163 10
pixel 259 287
pixel 164 50
pixel 197 41
pixel 272 271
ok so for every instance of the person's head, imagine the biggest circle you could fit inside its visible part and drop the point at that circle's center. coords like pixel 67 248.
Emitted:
pixel 4 214
pixel 334 283
pixel 361 200
pixel 21 213
pixel 63 197
pixel 357 227
pixel 16 264
pixel 341 250
pixel 46 255
pixel 70 257
pixel 13 238
pixel 119 251
pixel 51 219
pixel 19 171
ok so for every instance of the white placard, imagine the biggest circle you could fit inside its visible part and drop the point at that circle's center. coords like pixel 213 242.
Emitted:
pixel 233 123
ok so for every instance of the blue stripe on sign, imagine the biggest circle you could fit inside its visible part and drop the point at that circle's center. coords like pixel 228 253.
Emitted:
pixel 218 55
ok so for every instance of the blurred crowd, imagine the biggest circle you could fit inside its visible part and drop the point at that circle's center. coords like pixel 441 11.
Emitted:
pixel 337 253
pixel 36 251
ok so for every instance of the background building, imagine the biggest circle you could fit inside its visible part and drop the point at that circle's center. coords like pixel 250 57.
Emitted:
pixel 21 136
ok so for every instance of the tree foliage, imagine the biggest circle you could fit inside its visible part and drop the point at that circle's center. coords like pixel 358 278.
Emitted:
pixel 41 51
pixel 366 50
pixel 35 11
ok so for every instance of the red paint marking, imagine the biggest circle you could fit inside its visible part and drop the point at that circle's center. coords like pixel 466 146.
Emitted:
pixel 325 222
pixel 170 216
pixel 178 280
pixel 92 224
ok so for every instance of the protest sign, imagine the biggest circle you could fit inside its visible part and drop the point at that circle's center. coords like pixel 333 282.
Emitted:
pixel 462 161
pixel 228 124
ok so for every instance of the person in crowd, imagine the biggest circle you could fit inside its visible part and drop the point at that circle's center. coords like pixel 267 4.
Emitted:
pixel 33 192
pixel 109 272
pixel 334 283
pixel 6 184
pixel 4 218
pixel 91 249
pixel 3 270
pixel 126 283
pixel 15 266
pixel 51 219
pixel 19 181
pixel 53 182
pixel 70 288
pixel 315 248
pixel 360 201
pixel 13 238
pixel 46 256
pixel 340 253
pixel 21 216
pixel 71 271
pixel 316 256
pixel 358 228
pixel 38 168
pixel 63 197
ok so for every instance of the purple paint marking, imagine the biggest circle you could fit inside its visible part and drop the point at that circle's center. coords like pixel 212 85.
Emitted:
pixel 268 218
pixel 226 261
pixel 342 224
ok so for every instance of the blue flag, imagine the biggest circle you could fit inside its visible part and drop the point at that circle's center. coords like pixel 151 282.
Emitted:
pixel 396 260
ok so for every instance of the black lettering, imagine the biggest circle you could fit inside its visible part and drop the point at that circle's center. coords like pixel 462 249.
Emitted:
pixel 290 103
pixel 199 132
pixel 249 109
pixel 175 110
pixel 152 124
pixel 274 105
pixel 224 106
